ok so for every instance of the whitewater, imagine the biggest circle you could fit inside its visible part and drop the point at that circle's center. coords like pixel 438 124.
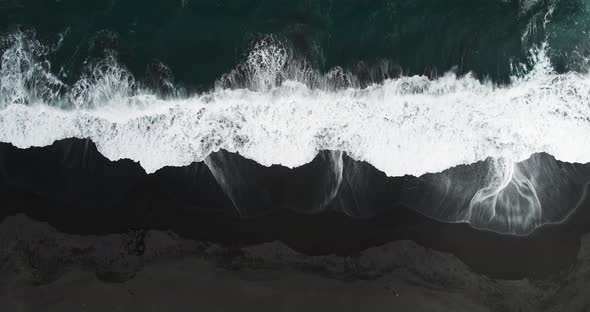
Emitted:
pixel 404 126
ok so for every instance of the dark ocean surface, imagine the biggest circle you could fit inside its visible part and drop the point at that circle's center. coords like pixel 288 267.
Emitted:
pixel 199 40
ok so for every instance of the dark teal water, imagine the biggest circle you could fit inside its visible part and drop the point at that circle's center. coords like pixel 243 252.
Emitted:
pixel 199 40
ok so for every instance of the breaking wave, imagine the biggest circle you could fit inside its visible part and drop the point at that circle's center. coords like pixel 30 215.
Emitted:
pixel 276 108
pixel 266 111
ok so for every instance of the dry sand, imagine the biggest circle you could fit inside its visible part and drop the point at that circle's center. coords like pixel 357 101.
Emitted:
pixel 44 270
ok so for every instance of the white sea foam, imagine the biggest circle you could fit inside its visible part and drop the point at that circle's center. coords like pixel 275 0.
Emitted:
pixel 410 125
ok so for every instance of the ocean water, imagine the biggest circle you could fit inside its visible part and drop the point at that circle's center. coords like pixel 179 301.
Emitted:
pixel 410 87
